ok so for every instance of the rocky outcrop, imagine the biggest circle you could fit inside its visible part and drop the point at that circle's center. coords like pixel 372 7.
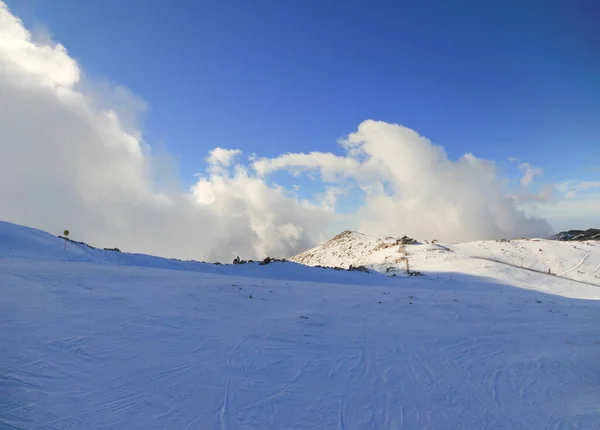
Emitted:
pixel 405 240
pixel 270 260
pixel 578 235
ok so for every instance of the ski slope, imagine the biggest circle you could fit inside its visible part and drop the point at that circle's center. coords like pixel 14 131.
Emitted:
pixel 518 262
pixel 96 340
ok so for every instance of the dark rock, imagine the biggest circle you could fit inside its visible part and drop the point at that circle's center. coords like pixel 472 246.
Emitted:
pixel 74 241
pixel 415 273
pixel 342 234
pixel 358 269
pixel 405 240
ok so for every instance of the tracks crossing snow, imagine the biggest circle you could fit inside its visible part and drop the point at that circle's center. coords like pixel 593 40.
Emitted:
pixel 576 266
pixel 98 346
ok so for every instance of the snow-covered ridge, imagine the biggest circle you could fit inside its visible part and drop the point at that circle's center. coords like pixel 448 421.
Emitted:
pixel 395 256
pixel 25 243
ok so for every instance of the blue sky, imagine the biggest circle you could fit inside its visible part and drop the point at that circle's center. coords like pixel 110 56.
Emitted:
pixel 499 79
pixel 326 94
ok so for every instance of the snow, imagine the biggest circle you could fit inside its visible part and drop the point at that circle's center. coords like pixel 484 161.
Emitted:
pixel 95 339
pixel 18 242
pixel 524 263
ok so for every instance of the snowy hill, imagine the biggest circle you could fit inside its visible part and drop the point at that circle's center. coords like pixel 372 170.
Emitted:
pixel 97 339
pixel 19 242
pixel 502 260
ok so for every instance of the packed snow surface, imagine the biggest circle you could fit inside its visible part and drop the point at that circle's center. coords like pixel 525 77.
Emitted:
pixel 96 340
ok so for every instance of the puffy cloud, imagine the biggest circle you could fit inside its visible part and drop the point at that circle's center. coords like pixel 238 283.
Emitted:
pixel 220 157
pixel 432 196
pixel 411 186
pixel 72 156
pixel 331 167
pixel 50 64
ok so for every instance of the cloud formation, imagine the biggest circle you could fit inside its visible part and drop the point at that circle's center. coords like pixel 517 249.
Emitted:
pixel 72 156
pixel 529 173
pixel 220 157
pixel 411 186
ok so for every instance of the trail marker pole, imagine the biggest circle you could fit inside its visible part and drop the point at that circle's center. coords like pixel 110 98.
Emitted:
pixel 66 234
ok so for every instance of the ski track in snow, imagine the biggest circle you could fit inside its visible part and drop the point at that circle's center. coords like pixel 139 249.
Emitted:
pixel 99 346
pixel 223 416
pixel 539 271
pixel 576 266
pixel 494 358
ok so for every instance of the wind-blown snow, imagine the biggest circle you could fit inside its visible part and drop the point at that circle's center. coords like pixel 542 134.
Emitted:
pixel 96 339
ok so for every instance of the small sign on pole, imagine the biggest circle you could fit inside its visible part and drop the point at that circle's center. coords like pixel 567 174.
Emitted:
pixel 66 234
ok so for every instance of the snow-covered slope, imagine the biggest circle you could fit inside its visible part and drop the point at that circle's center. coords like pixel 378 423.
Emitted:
pixel 93 340
pixel 507 261
pixel 19 242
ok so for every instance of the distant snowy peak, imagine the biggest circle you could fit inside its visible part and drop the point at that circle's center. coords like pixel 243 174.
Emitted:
pixel 509 261
pixel 351 248
pixel 578 235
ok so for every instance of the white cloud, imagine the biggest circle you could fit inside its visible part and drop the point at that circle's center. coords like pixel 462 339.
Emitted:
pixel 222 157
pixel 72 156
pixel 574 188
pixel 49 63
pixel 411 187
pixel 529 173
pixel 331 167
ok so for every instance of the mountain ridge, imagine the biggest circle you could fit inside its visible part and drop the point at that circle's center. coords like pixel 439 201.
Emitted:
pixel 400 256
pixel 577 235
